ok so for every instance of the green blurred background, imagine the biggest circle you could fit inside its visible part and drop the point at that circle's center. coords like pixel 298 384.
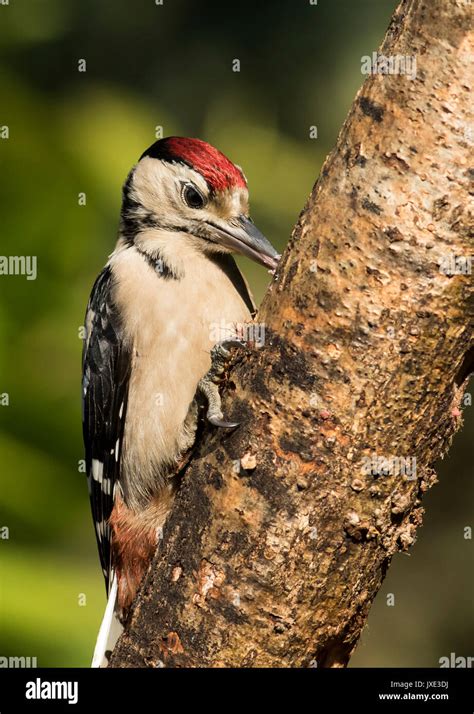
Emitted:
pixel 166 66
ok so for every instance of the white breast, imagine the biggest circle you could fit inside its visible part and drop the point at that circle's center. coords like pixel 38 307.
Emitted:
pixel 172 325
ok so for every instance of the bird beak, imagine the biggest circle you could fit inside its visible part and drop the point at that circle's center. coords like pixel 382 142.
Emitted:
pixel 243 237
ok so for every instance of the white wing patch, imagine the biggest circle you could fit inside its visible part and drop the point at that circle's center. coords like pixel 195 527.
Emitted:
pixel 90 317
pixel 100 527
pixel 97 470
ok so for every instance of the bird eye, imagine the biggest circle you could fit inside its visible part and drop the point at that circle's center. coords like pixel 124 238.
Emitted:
pixel 192 197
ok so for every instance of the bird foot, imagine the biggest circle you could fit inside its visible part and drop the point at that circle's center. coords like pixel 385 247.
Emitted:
pixel 209 384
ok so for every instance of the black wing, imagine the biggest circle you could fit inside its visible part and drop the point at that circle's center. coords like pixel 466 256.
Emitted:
pixel 106 367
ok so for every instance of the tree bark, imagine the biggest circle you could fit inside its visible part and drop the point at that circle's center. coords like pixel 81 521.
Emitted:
pixel 284 528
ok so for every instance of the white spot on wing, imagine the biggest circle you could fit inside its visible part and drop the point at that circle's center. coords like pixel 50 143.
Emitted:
pixel 100 527
pixel 97 470
pixel 89 323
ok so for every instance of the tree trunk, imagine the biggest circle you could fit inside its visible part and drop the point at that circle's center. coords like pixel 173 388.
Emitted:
pixel 284 528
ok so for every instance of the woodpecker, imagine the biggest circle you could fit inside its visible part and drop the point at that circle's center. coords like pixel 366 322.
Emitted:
pixel 152 352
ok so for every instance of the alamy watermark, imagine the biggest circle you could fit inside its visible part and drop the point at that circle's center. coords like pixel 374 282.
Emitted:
pixel 451 264
pixel 376 465
pixel 252 332
pixel 388 64
pixel 18 662
pixel 43 689
pixel 456 662
pixel 19 265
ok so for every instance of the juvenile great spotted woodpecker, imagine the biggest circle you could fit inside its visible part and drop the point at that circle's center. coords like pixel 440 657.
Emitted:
pixel 151 347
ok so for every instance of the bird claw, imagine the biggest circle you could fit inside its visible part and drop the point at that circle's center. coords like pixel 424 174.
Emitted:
pixel 216 421
pixel 208 385
pixel 220 351
pixel 233 342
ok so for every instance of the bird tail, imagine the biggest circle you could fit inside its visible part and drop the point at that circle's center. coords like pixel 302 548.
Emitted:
pixel 110 629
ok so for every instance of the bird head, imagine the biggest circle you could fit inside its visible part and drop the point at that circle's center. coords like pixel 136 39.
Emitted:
pixel 187 188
